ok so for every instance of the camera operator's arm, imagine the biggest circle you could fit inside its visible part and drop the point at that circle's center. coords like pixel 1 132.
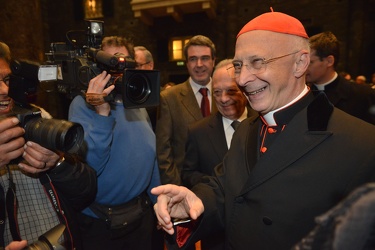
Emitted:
pixel 97 86
pixel 11 140
pixel 95 117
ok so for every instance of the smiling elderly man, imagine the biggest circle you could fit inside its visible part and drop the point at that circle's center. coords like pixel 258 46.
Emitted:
pixel 298 159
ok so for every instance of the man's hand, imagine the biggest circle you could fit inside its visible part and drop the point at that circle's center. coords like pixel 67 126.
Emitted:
pixel 11 140
pixel 17 245
pixel 97 86
pixel 175 202
pixel 39 159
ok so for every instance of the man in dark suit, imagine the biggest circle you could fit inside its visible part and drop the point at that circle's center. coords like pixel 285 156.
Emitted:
pixel 298 159
pixel 181 106
pixel 354 99
pixel 209 139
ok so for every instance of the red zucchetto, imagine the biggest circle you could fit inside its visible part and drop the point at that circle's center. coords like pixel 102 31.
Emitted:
pixel 276 22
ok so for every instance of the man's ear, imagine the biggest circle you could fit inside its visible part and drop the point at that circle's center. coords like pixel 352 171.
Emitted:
pixel 330 60
pixel 302 63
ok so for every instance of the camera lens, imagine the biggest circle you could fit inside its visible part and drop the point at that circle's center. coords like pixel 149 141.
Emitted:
pixel 138 88
pixel 55 134
pixel 49 240
pixel 39 245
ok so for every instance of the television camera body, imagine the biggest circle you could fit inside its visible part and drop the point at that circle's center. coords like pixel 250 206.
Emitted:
pixel 73 64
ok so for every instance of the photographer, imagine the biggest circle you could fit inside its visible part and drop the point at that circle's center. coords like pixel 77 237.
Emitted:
pixel 121 148
pixel 26 204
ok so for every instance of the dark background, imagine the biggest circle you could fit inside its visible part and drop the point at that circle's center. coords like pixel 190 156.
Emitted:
pixel 29 26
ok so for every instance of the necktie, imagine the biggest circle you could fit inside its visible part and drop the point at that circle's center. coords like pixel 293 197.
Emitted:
pixel 235 124
pixel 205 104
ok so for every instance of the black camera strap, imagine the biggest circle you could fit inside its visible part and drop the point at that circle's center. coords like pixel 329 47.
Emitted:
pixel 12 206
pixel 55 201
pixel 2 217
pixel 8 207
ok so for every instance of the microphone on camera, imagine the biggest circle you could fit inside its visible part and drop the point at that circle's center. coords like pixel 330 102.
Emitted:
pixel 117 61
pixel 104 58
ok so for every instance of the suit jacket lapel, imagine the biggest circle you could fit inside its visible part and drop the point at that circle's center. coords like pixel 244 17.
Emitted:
pixel 189 101
pixel 217 135
pixel 299 141
pixel 252 143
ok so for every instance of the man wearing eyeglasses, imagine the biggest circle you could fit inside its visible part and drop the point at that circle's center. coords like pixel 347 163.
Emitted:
pixel 209 139
pixel 121 147
pixel 145 61
pixel 26 209
pixel 182 105
pixel 293 162
pixel 143 58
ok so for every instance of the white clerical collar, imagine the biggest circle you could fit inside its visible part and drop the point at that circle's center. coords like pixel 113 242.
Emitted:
pixel 321 87
pixel 269 116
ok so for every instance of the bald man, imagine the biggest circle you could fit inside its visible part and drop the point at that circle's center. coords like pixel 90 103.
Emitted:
pixel 293 162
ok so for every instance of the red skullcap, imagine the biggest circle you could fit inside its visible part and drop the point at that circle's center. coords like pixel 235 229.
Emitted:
pixel 276 22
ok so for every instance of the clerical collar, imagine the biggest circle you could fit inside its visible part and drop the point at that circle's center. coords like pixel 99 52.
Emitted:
pixel 321 87
pixel 269 117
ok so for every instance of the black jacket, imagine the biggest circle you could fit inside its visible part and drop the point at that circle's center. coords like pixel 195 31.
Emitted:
pixel 352 98
pixel 75 184
pixel 270 202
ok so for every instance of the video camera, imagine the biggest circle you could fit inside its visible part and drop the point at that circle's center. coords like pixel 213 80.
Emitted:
pixel 74 63
pixel 54 134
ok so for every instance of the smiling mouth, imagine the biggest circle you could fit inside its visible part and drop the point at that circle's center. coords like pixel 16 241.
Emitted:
pixel 256 91
pixel 200 72
pixel 4 105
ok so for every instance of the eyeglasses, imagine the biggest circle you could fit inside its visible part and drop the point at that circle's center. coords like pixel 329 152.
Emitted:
pixel 255 66
pixel 141 64
pixel 5 80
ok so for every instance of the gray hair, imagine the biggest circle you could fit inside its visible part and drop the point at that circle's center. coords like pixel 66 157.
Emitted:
pixel 224 63
pixel 146 52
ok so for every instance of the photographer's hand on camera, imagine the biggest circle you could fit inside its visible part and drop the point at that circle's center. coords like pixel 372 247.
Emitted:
pixel 17 245
pixel 11 140
pixel 38 159
pixel 96 92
